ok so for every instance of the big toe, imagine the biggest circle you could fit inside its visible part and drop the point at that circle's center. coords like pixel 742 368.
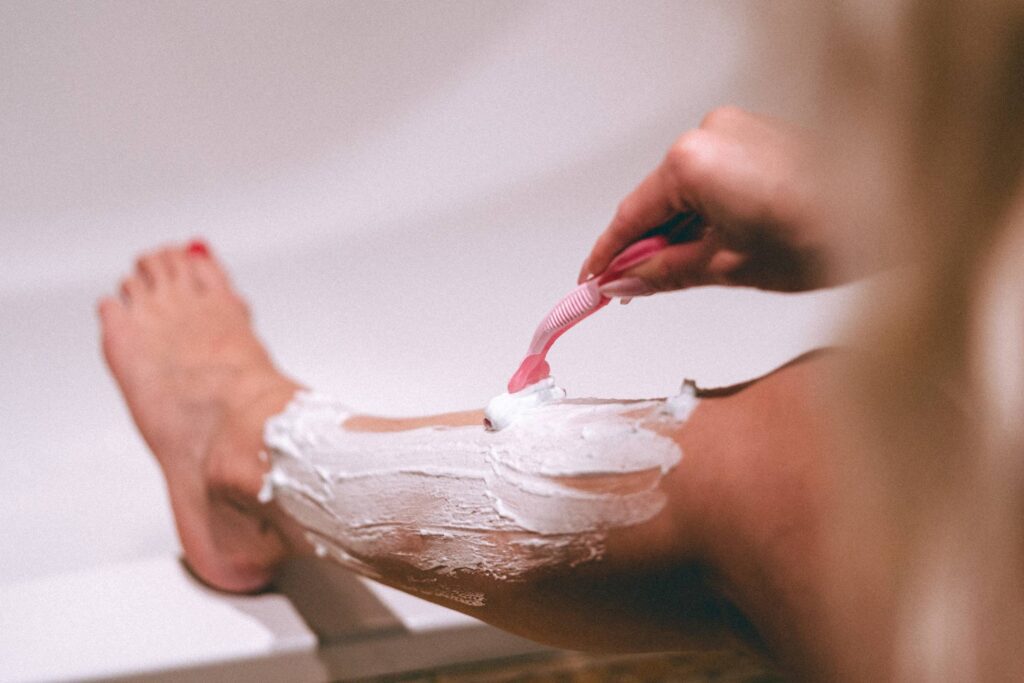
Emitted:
pixel 206 271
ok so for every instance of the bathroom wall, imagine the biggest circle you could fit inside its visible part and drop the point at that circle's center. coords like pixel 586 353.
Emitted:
pixel 401 189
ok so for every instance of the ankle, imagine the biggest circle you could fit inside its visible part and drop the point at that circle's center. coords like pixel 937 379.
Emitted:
pixel 234 466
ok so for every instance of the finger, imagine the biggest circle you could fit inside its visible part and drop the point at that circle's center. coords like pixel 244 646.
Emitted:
pixel 649 205
pixel 666 192
pixel 724 264
pixel 676 267
pixel 745 269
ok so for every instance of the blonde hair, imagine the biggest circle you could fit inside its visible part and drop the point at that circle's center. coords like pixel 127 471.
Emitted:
pixel 924 108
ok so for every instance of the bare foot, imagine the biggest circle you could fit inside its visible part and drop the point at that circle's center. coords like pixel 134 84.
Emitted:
pixel 199 386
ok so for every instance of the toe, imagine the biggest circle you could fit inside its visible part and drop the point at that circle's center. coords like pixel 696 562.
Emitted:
pixel 113 317
pixel 172 264
pixel 177 265
pixel 111 311
pixel 153 270
pixel 133 290
pixel 206 271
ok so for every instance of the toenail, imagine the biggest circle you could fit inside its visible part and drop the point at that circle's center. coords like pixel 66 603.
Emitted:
pixel 197 248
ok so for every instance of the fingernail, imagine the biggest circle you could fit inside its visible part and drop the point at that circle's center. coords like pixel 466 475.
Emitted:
pixel 625 300
pixel 626 287
pixel 197 248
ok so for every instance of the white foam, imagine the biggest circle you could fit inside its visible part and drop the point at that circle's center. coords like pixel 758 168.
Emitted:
pixel 504 409
pixel 544 490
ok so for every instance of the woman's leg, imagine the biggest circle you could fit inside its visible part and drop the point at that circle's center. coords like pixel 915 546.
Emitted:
pixel 728 558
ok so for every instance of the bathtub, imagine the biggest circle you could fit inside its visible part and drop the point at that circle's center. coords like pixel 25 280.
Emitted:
pixel 401 191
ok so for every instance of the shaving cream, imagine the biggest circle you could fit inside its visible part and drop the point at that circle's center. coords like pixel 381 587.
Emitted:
pixel 505 408
pixel 682 404
pixel 450 501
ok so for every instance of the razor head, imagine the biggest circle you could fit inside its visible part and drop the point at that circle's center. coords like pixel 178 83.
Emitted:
pixel 574 307
pixel 533 369
pixel 583 301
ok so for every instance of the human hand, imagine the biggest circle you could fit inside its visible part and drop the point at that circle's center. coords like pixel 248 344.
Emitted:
pixel 746 178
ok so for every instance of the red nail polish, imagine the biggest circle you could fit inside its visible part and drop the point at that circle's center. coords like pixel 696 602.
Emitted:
pixel 197 248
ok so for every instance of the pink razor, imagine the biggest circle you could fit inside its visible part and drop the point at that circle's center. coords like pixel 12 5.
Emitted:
pixel 574 307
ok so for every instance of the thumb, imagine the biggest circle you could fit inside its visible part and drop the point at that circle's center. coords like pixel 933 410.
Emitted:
pixel 675 267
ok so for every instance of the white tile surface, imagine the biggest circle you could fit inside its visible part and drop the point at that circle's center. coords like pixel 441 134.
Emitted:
pixel 135 617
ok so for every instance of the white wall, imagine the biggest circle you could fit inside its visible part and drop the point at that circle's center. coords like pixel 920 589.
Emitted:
pixel 402 190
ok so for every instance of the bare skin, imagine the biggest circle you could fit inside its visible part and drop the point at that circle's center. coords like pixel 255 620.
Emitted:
pixel 199 386
pixel 751 180
pixel 730 562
